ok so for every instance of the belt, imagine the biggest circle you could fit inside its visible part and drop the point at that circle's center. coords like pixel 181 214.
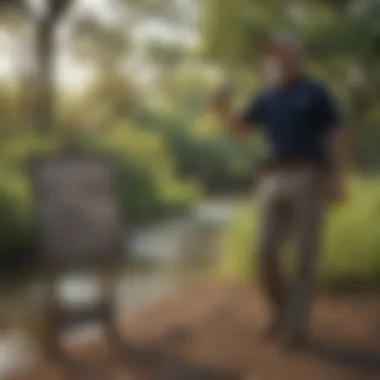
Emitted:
pixel 292 163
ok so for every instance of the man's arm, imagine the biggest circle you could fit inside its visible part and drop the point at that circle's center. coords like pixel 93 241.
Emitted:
pixel 339 151
pixel 236 124
pixel 338 147
pixel 336 182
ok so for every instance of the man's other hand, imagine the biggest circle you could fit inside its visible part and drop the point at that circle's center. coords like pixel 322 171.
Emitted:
pixel 335 189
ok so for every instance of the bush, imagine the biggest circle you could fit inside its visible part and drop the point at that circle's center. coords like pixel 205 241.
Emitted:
pixel 17 232
pixel 202 151
pixel 149 188
pixel 351 250
pixel 18 229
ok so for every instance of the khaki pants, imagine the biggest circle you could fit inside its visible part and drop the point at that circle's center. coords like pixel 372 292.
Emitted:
pixel 291 206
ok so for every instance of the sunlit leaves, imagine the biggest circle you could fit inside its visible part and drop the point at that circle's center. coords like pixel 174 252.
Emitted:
pixel 166 54
pixel 94 42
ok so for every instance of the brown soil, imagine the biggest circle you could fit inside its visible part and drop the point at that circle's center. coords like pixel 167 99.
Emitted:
pixel 215 332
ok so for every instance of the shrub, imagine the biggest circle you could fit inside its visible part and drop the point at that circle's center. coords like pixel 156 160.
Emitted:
pixel 200 150
pixel 149 188
pixel 17 232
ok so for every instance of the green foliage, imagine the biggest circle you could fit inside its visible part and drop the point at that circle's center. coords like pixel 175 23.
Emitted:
pixel 18 232
pixel 351 251
pixel 165 54
pixel 202 151
pixel 148 184
pixel 343 43
pixel 328 27
pixel 98 44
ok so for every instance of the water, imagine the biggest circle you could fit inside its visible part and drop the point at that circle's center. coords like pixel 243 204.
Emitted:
pixel 168 244
pixel 167 241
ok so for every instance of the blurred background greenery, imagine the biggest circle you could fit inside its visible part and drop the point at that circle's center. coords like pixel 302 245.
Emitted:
pixel 133 78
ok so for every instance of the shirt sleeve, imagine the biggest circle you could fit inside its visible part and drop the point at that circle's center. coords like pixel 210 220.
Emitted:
pixel 253 113
pixel 327 111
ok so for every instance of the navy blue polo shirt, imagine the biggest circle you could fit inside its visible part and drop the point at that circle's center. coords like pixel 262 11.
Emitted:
pixel 297 120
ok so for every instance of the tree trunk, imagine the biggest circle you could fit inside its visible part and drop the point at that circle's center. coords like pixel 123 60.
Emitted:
pixel 44 117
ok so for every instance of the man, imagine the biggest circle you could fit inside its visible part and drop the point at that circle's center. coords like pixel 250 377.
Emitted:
pixel 305 168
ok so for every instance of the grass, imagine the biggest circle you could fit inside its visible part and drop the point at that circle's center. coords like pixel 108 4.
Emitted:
pixel 351 244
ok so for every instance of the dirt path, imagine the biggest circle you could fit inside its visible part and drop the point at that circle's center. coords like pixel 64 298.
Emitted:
pixel 217 329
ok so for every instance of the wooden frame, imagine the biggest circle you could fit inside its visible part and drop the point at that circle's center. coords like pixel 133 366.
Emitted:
pixel 80 224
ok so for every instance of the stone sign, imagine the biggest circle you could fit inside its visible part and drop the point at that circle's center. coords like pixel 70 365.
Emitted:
pixel 80 227
pixel 77 208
